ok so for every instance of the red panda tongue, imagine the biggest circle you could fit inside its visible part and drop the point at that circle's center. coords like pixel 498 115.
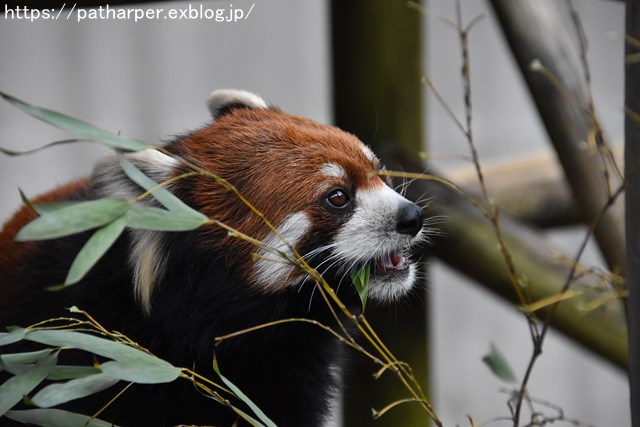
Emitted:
pixel 391 263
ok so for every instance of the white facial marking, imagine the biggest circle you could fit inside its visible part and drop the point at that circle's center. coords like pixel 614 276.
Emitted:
pixel 369 154
pixel 221 98
pixel 334 170
pixel 388 289
pixel 372 223
pixel 271 269
pixel 370 234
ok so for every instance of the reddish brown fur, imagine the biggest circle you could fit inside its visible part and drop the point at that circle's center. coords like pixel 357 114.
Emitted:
pixel 279 171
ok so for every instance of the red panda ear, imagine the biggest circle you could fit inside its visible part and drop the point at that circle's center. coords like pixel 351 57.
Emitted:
pixel 224 100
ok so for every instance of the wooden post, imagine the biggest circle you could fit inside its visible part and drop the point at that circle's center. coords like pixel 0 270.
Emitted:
pixel 632 199
pixel 377 96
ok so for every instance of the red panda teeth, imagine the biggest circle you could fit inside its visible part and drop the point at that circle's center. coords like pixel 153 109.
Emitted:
pixel 390 263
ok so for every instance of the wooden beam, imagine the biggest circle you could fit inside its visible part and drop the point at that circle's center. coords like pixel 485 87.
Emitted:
pixel 543 32
pixel 531 188
pixel 468 244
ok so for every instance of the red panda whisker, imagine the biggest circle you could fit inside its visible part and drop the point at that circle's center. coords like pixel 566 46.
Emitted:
pixel 317 251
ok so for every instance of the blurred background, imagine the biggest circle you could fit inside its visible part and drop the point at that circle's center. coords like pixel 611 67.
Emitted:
pixel 150 80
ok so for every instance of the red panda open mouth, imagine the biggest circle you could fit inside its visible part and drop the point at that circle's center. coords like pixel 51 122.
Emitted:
pixel 390 263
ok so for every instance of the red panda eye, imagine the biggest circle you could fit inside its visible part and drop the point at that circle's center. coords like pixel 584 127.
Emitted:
pixel 338 198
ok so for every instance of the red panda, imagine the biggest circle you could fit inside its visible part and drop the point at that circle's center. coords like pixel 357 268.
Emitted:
pixel 175 292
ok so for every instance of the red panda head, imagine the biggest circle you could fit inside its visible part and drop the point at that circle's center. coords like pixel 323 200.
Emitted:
pixel 319 186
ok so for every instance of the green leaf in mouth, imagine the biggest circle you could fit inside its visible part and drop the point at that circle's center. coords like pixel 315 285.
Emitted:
pixel 360 278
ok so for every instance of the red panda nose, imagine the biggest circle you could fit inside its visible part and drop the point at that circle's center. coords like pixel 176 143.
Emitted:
pixel 410 219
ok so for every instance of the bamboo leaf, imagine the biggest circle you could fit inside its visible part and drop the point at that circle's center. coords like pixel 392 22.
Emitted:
pixel 56 418
pixel 140 372
pixel 8 152
pixel 15 388
pixel 256 410
pixel 360 280
pixel 25 358
pixel 43 208
pixel 14 335
pixel 94 249
pixel 247 418
pixel 499 365
pixel 150 218
pixel 72 219
pixel 163 195
pixel 16 363
pixel 75 126
pixel 66 372
pixel 56 394
pixel 99 346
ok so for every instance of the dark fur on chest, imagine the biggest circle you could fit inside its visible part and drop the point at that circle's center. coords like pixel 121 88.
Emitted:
pixel 287 370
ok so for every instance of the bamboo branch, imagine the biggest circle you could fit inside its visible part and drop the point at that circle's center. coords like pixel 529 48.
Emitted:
pixel 543 32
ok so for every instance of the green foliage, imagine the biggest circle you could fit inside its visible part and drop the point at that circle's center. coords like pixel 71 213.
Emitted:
pixel 12 390
pixel 110 216
pixel 150 218
pixel 80 128
pixel 499 365
pixel 168 200
pixel 128 362
pixel 60 219
pixel 360 278
pixel 93 250
pixel 257 411
pixel 72 218
pixel 56 418
pixel 58 393
pixel 32 368
pixel 158 370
